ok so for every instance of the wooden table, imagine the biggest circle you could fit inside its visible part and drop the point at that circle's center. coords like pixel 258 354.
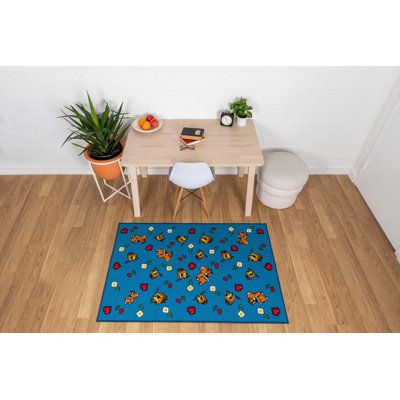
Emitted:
pixel 224 147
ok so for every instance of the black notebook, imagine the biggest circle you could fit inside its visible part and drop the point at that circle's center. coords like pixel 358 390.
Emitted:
pixel 192 133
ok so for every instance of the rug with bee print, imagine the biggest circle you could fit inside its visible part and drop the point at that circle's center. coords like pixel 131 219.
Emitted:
pixel 192 272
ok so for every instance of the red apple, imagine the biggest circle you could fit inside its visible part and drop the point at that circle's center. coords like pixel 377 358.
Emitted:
pixel 149 117
pixel 169 285
pixel 234 248
pixel 275 311
pixel 154 123
pixel 117 265
pixel 219 311
pixel 124 230
pixel 268 266
pixel 106 309
pixel 272 289
pixel 144 286
pixel 149 247
pixel 121 310
pixel 191 310
pixel 192 265
pixel 192 230
pixel 260 231
pixel 238 287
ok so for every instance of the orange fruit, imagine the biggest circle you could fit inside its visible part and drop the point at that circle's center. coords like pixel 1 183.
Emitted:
pixel 141 120
pixel 146 125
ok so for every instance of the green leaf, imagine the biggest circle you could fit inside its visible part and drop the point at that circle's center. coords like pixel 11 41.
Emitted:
pixel 104 116
pixel 100 131
pixel 93 111
pixel 240 107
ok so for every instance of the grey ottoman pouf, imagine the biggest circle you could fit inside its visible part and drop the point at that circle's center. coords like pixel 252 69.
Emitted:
pixel 281 179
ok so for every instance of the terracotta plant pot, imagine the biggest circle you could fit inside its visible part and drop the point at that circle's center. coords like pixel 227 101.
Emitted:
pixel 106 169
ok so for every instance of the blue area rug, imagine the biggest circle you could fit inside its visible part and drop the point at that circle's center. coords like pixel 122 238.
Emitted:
pixel 192 273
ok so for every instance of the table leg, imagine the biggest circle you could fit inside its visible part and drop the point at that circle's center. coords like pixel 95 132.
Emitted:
pixel 135 191
pixel 250 189
pixel 241 172
pixel 143 171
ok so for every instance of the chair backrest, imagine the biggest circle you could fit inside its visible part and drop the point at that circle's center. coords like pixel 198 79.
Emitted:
pixel 191 175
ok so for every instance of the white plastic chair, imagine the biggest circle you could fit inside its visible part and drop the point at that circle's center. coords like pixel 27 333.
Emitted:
pixel 191 176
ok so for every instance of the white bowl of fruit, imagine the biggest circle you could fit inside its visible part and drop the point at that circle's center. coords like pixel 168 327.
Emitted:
pixel 147 123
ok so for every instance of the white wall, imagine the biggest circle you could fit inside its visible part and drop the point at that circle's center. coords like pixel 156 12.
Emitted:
pixel 322 113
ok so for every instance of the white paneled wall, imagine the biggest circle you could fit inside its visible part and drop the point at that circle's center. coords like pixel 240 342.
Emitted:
pixel 322 113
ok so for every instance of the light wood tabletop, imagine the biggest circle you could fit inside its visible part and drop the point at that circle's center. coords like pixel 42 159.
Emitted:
pixel 224 147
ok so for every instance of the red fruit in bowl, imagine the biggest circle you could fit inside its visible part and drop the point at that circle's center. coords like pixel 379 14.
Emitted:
pixel 260 231
pixel 268 266
pixel 272 289
pixel 117 265
pixel 234 248
pixel 154 123
pixel 191 310
pixel 144 286
pixel 149 247
pixel 192 230
pixel 149 117
pixel 124 230
pixel 121 310
pixel 238 287
pixel 192 265
pixel 106 309
pixel 219 311
pixel 169 285
pixel 275 311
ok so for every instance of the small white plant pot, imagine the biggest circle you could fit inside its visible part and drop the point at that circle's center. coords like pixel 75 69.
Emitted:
pixel 241 121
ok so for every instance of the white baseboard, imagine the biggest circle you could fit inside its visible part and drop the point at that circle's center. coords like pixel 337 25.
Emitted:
pixel 84 170
pixel 44 170
pixel 353 175
pixel 397 253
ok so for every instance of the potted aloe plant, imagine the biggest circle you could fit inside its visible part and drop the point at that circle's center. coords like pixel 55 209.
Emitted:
pixel 102 133
pixel 242 110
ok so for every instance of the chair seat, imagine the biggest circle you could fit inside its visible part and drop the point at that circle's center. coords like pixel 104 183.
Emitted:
pixel 191 175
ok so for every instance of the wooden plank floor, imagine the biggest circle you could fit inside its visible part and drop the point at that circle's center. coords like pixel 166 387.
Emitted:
pixel 337 269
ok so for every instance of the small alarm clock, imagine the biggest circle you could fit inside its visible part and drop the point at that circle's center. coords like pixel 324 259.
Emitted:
pixel 226 118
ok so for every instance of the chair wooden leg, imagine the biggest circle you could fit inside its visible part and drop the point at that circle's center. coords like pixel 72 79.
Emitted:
pixel 204 202
pixel 178 201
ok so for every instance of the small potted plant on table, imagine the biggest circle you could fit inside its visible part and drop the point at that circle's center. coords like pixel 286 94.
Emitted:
pixel 102 133
pixel 242 110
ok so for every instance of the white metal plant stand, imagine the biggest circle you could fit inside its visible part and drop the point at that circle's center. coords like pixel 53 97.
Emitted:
pixel 114 190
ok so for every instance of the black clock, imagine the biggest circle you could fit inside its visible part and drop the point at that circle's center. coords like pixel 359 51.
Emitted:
pixel 226 118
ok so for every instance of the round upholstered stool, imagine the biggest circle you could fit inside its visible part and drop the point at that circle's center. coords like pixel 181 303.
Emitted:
pixel 281 179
